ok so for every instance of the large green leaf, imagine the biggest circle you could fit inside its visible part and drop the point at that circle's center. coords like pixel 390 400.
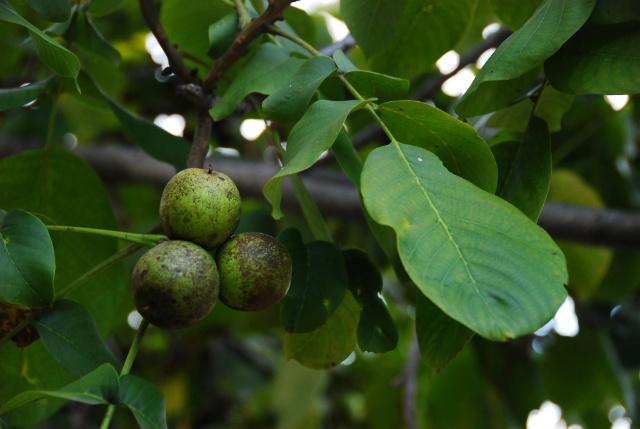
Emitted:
pixel 377 332
pixel 514 14
pixel 289 103
pixel 612 12
pixel 52 10
pixel 98 387
pixel 478 258
pixel 145 400
pixel 61 60
pixel 414 47
pixel 70 334
pixel 87 37
pixel 318 285
pixel 62 187
pixel 525 169
pixel 440 337
pixel 187 23
pixel 598 60
pixel 312 135
pixel 330 344
pixel 457 144
pixel 372 23
pixel 268 69
pixel 15 97
pixel 513 66
pixel 27 260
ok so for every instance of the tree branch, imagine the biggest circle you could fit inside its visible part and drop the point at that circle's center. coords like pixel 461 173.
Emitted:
pixel 201 137
pixel 337 197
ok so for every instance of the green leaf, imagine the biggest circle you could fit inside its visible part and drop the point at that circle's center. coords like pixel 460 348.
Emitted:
pixel 27 260
pixel 221 34
pixel 61 60
pixel 439 336
pixel 372 23
pixel 52 10
pixel 551 107
pixel 16 97
pixel 348 157
pixel 514 65
pixel 70 334
pixel 98 387
pixel 289 103
pixel 145 400
pixel 610 55
pixel 103 7
pixel 478 258
pixel 525 169
pixel 330 344
pixel 343 62
pixel 375 85
pixel 457 144
pixel 91 41
pixel 413 47
pixel 265 72
pixel 192 38
pixel 33 181
pixel 155 141
pixel 318 284
pixel 514 14
pixel 312 135
pixel 377 332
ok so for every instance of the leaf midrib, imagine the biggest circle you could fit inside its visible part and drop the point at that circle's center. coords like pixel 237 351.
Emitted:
pixel 444 227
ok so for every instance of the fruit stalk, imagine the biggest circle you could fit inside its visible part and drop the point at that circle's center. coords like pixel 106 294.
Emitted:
pixel 133 350
pixel 148 240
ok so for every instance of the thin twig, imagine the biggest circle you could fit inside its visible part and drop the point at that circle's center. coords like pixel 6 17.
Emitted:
pixel 151 18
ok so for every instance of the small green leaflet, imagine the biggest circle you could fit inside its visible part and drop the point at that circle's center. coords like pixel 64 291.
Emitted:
pixel 330 344
pixel 318 285
pixel 98 387
pixel 27 260
pixel 514 65
pixel 145 400
pixel 474 255
pixel 16 97
pixel 289 103
pixel 314 133
pixel 61 60
pixel 71 336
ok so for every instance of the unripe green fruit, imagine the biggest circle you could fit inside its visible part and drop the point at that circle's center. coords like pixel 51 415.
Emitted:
pixel 175 284
pixel 201 206
pixel 255 271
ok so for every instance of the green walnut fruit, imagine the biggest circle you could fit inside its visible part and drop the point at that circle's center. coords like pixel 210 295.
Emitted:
pixel 175 284
pixel 201 206
pixel 255 271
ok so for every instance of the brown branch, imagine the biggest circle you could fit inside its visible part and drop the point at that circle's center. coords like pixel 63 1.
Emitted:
pixel 337 197
pixel 201 137
pixel 272 13
pixel 178 67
